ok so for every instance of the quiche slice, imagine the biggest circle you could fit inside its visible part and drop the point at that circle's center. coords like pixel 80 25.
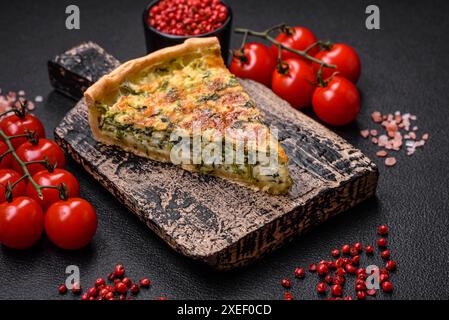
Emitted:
pixel 182 105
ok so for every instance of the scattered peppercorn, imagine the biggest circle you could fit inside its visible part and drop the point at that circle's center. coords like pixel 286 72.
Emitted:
pixel 371 292
pixel 119 271
pixel 382 242
pixel 286 283
pixel 360 286
pixel 336 290
pixel 361 295
pixel 322 270
pixel 335 253
pixel 76 289
pixel 288 296
pixel 383 277
pixel 358 246
pixel 355 260
pixel 134 288
pixel 350 269
pixel 387 286
pixel 100 282
pixel 92 292
pixel 382 230
pixel 101 291
pixel 145 282
pixel 369 249
pixel 111 276
pixel 385 254
pixel 312 267
pixel 121 287
pixel 62 289
pixel 300 273
pixel 126 281
pixel 391 265
pixel 328 279
pixel 346 249
pixel 333 272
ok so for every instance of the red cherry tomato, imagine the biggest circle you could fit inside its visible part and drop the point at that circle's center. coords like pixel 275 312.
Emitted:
pixel 21 223
pixel 11 176
pixel 33 152
pixel 71 224
pixel 300 38
pixel 55 178
pixel 257 63
pixel 338 103
pixel 6 161
pixel 296 85
pixel 14 125
pixel 344 57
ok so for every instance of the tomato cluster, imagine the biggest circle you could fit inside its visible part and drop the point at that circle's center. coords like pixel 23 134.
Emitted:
pixel 303 81
pixel 69 221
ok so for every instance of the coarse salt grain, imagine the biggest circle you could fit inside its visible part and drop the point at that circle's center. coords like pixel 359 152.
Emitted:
pixel 390 161
pixel 381 153
pixel 364 133
pixel 398 127
pixel 376 116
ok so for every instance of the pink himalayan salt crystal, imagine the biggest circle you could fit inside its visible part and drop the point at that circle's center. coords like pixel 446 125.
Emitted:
pixel 390 161
pixel 381 153
pixel 376 116
pixel 364 133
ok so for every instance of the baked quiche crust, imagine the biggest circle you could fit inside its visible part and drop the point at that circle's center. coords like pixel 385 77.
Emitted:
pixel 147 106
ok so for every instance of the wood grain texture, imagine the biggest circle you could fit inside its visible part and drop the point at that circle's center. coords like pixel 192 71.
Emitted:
pixel 218 222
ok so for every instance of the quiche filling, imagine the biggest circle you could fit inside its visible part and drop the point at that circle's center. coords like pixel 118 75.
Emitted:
pixel 191 111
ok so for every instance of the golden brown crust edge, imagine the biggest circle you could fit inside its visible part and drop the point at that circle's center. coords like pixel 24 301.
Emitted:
pixel 111 81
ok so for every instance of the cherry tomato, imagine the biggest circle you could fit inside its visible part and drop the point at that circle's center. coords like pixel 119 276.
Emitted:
pixel 11 176
pixel 55 178
pixel 6 161
pixel 34 152
pixel 296 85
pixel 71 224
pixel 21 223
pixel 300 39
pixel 338 103
pixel 14 125
pixel 257 63
pixel 344 57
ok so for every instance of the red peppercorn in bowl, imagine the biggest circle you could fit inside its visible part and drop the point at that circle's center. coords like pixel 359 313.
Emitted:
pixel 170 22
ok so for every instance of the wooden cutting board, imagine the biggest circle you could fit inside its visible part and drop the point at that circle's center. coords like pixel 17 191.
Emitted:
pixel 218 222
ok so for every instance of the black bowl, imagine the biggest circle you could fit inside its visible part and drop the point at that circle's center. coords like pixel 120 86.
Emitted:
pixel 156 40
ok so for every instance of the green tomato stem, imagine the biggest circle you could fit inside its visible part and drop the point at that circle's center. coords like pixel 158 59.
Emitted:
pixel 266 35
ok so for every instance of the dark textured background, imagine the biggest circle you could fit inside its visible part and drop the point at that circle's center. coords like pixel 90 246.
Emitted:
pixel 404 68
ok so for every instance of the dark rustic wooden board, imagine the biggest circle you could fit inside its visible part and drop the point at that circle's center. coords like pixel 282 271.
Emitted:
pixel 218 222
